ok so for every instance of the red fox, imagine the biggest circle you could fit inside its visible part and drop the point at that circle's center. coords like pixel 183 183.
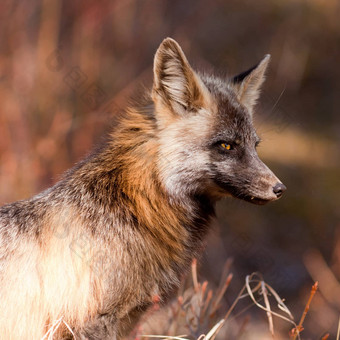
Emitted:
pixel 124 224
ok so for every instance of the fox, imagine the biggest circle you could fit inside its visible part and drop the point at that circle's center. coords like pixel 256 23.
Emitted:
pixel 121 228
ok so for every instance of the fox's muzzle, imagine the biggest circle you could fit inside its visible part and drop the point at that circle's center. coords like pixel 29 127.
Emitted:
pixel 251 181
pixel 265 186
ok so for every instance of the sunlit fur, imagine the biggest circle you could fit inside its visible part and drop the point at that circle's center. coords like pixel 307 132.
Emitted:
pixel 122 227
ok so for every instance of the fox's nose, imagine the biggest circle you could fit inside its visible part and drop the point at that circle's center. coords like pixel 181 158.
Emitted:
pixel 278 189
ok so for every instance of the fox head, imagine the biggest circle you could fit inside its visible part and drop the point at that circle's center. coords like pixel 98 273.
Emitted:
pixel 207 141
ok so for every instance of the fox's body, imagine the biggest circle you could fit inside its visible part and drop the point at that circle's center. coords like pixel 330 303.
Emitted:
pixel 122 227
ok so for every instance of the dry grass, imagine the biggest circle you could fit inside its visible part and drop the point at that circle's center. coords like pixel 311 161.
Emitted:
pixel 197 312
pixel 54 329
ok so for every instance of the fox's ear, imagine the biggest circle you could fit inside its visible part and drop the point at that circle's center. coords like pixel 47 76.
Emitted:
pixel 247 84
pixel 175 82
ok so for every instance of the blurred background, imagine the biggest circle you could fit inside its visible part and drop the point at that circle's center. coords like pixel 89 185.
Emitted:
pixel 67 67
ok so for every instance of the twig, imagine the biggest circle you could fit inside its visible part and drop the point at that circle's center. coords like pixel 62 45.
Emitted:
pixel 221 292
pixel 194 275
pixel 213 332
pixel 299 328
pixel 54 328
pixel 269 312
pixel 206 305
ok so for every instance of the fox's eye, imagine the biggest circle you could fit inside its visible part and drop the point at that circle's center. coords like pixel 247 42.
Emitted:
pixel 226 146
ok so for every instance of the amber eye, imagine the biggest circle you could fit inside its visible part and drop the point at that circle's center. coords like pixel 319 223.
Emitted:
pixel 226 146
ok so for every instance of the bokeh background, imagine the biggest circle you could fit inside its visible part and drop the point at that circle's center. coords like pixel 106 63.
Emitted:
pixel 67 66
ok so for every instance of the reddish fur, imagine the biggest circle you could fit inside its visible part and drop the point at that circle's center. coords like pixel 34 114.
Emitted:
pixel 118 232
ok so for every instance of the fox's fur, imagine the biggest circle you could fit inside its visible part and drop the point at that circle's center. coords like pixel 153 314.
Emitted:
pixel 121 228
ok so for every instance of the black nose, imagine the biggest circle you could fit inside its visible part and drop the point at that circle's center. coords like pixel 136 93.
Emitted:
pixel 278 189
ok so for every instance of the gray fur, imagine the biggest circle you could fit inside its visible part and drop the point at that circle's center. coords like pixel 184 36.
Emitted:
pixel 122 227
